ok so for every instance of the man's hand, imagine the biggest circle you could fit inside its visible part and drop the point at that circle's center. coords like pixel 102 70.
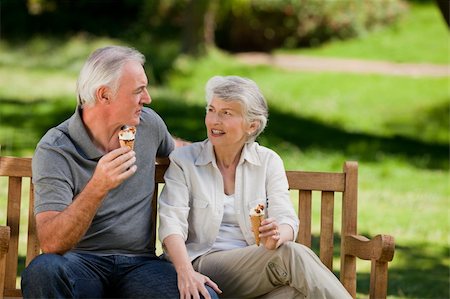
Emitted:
pixel 60 231
pixel 114 168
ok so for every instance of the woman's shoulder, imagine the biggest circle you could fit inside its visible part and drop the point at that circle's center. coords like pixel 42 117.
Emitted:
pixel 190 151
pixel 264 152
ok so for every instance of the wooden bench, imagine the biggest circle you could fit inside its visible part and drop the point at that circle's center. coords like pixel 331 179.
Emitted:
pixel 379 250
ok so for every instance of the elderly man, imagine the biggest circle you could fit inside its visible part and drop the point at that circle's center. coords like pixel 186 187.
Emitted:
pixel 92 196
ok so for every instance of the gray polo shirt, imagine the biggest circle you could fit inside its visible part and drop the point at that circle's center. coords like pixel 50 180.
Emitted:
pixel 63 163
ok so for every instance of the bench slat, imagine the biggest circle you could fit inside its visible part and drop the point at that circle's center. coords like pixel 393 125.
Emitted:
pixel 327 229
pixel 318 181
pixel 13 221
pixel 33 248
pixel 304 214
pixel 11 166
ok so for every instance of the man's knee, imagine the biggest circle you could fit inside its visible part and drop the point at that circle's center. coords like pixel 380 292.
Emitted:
pixel 43 267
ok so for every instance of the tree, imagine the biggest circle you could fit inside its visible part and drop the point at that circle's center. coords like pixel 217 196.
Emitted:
pixel 444 7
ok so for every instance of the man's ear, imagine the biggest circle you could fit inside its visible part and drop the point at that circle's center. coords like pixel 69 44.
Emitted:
pixel 103 95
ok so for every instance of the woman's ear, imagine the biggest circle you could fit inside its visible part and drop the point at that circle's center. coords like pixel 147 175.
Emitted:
pixel 254 125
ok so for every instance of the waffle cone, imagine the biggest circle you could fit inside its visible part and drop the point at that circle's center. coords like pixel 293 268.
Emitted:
pixel 256 223
pixel 129 143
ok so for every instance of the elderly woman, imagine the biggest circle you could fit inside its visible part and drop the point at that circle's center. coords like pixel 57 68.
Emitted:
pixel 204 208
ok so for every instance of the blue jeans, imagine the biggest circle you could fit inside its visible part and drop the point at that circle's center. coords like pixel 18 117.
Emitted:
pixel 76 275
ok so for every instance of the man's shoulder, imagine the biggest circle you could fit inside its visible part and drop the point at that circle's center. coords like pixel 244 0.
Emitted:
pixel 56 136
pixel 148 114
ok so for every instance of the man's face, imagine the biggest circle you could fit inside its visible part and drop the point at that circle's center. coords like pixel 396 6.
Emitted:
pixel 131 95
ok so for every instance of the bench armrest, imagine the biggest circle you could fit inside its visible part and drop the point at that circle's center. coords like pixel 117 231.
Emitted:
pixel 380 248
pixel 380 251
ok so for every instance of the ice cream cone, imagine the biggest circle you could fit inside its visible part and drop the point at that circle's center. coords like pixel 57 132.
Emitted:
pixel 129 143
pixel 256 216
pixel 256 223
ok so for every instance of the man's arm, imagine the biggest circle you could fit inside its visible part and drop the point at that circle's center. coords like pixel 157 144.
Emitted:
pixel 58 232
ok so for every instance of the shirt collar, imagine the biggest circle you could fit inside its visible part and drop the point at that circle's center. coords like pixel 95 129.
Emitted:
pixel 249 154
pixel 79 135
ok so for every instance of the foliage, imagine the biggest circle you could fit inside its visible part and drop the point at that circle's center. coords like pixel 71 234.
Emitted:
pixel 397 43
pixel 163 29
pixel 269 24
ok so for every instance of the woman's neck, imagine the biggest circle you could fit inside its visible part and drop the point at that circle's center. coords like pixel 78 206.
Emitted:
pixel 227 161
pixel 227 158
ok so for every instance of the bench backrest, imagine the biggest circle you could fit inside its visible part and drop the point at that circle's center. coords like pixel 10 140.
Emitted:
pixel 305 183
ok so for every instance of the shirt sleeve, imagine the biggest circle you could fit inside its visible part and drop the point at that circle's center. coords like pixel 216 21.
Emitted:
pixel 173 203
pixel 279 202
pixel 53 186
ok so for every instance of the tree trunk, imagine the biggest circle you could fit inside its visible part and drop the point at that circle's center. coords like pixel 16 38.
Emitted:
pixel 444 7
pixel 193 32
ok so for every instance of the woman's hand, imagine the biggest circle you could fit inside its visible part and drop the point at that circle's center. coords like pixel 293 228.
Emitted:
pixel 270 233
pixel 191 284
pixel 273 235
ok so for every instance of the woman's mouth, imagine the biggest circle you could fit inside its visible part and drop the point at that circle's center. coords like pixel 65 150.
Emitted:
pixel 217 132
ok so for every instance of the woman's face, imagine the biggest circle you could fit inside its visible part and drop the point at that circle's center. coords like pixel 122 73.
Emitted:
pixel 225 124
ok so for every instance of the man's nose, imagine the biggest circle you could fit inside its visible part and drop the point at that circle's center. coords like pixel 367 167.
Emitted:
pixel 146 98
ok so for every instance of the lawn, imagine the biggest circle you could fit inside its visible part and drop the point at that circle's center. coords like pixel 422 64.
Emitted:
pixel 396 127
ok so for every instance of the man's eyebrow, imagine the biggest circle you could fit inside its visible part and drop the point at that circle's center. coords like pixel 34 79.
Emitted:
pixel 141 87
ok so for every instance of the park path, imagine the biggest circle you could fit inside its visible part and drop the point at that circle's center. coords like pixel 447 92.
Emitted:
pixel 324 64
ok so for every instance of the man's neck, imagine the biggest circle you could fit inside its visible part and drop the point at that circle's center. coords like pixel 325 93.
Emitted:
pixel 101 131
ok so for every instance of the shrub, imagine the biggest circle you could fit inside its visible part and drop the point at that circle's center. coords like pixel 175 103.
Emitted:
pixel 269 24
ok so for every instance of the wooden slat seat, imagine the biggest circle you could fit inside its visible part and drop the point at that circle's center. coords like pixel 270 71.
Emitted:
pixel 379 250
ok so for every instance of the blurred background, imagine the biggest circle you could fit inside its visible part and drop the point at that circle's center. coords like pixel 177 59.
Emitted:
pixel 364 80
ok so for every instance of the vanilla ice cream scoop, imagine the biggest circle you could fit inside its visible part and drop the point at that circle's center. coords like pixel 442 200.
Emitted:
pixel 126 136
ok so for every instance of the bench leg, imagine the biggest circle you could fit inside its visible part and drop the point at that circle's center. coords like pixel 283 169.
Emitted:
pixel 378 280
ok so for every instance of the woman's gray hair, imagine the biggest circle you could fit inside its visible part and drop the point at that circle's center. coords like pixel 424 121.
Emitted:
pixel 245 91
pixel 104 68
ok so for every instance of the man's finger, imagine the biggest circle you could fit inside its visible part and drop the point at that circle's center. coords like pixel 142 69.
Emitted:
pixel 129 172
pixel 116 153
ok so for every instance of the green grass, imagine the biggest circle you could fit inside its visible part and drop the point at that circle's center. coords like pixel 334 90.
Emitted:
pixel 420 36
pixel 396 127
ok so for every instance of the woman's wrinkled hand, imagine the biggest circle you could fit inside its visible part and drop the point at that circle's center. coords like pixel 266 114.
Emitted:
pixel 270 233
pixel 191 284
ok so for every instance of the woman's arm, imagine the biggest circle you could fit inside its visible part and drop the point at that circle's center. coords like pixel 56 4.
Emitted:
pixel 282 224
pixel 190 282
